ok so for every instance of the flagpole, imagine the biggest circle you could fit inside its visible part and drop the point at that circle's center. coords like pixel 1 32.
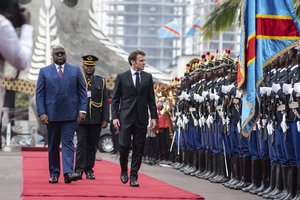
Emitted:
pixel 181 35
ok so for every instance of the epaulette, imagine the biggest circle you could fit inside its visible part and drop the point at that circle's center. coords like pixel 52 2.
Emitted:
pixel 98 75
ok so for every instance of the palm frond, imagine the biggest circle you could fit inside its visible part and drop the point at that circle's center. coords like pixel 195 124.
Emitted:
pixel 297 7
pixel 222 18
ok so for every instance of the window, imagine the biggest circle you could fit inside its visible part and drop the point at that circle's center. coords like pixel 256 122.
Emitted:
pixel 228 37
pixel 214 45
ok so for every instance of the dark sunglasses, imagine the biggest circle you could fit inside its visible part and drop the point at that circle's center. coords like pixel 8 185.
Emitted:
pixel 61 53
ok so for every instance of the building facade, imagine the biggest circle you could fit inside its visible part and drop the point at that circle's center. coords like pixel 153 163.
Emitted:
pixel 229 39
pixel 133 24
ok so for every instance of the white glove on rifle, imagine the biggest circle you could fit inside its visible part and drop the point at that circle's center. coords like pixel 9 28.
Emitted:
pixel 287 88
pixel 275 87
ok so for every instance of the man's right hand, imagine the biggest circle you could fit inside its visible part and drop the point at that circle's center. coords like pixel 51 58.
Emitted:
pixel 116 124
pixel 44 118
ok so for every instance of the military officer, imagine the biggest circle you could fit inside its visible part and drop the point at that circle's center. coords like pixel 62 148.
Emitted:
pixel 88 132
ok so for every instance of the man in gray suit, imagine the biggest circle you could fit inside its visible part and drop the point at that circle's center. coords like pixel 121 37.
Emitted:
pixel 132 97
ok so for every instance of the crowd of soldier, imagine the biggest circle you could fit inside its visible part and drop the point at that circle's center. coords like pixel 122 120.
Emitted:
pixel 207 135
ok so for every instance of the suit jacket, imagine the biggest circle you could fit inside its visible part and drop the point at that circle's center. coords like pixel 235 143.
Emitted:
pixel 130 105
pixel 95 113
pixel 61 99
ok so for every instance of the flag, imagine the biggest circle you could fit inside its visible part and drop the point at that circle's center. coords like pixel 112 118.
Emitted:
pixel 170 30
pixel 197 26
pixel 269 29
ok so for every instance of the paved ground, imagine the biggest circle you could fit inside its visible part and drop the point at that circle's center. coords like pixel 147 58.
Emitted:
pixel 11 179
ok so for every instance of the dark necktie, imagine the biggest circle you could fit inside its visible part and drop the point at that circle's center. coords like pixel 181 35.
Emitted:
pixel 137 80
pixel 60 73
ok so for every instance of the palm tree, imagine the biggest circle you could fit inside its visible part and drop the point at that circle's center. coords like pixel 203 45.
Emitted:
pixel 227 15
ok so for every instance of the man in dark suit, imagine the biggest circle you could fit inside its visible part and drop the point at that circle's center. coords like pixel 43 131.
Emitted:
pixel 88 132
pixel 132 97
pixel 61 99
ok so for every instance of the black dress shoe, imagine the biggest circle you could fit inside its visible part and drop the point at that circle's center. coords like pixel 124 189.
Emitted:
pixel 79 175
pixel 69 177
pixel 76 176
pixel 90 175
pixel 124 178
pixel 53 179
pixel 133 182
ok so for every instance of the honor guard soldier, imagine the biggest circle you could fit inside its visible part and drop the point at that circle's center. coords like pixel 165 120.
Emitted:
pixel 88 132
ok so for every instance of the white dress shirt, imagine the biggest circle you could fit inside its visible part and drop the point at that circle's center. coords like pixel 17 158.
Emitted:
pixel 133 75
pixel 62 67
pixel 16 51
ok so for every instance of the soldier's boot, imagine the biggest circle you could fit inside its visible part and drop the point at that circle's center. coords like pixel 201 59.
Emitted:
pixel 235 172
pixel 181 160
pixel 189 162
pixel 201 159
pixel 278 186
pixel 185 160
pixel 255 176
pixel 208 163
pixel 194 163
pixel 214 167
pixel 291 183
pixel 177 159
pixel 232 172
pixel 222 177
pixel 220 169
pixel 297 197
pixel 197 164
pixel 245 174
pixel 238 173
pixel 272 180
pixel 217 169
pixel 265 182
pixel 284 170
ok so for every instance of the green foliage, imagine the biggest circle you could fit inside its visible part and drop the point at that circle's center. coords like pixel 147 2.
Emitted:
pixel 222 18
pixel 227 15
pixel 297 7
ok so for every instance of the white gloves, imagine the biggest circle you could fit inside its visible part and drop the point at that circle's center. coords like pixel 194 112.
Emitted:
pixel 287 88
pixel 204 94
pixel 269 90
pixel 198 98
pixel 275 87
pixel 263 90
pixel 297 88
pixel 238 94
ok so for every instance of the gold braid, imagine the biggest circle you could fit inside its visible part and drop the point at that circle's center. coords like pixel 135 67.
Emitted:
pixel 94 103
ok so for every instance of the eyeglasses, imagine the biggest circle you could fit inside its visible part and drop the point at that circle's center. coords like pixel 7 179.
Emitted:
pixel 61 53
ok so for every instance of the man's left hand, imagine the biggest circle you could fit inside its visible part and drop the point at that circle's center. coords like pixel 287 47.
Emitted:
pixel 81 117
pixel 153 124
pixel 104 124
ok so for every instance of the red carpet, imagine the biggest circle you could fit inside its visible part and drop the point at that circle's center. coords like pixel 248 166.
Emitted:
pixel 107 185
